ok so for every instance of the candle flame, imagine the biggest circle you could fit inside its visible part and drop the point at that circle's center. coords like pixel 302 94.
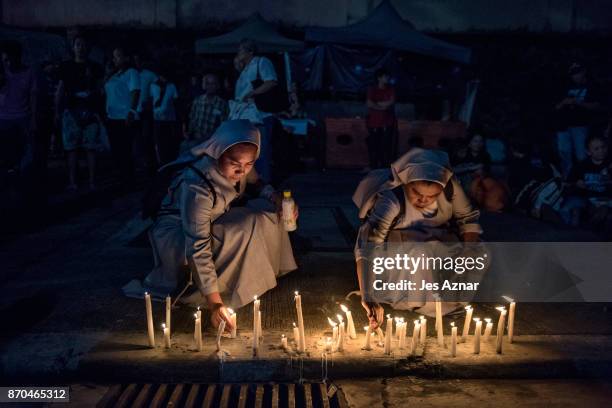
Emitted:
pixel 255 297
pixel 508 299
pixel 501 308
pixel 487 319
pixel 297 293
pixel 146 293
pixel 416 322
pixel 388 316
pixel 195 315
pixel 452 324
pixel 198 307
pixel 344 308
pixel 468 307
pixel 423 318
pixel 282 336
pixel 366 328
pixel 230 311
pixel 477 319
pixel 339 316
pixel 331 322
pixel 163 325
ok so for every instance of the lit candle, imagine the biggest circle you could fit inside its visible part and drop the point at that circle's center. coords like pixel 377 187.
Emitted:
pixel 329 345
pixel 341 333
pixel 284 342
pixel 453 340
pixel 219 334
pixel 500 329
pixel 511 313
pixel 168 311
pixel 300 316
pixel 197 332
pixel 334 326
pixel 259 331
pixel 296 335
pixel 368 336
pixel 415 337
pixel 397 327
pixel 477 332
pixel 166 331
pixel 388 334
pixel 466 323
pixel 423 329
pixel 233 319
pixel 350 325
pixel 439 322
pixel 402 333
pixel 488 329
pixel 255 325
pixel 149 309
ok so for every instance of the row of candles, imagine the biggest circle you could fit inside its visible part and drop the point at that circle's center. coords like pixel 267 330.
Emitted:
pixel 340 330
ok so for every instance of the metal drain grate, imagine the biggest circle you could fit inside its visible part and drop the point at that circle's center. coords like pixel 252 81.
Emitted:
pixel 306 395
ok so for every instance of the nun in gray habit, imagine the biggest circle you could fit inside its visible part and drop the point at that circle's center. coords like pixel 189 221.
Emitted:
pixel 233 252
pixel 416 200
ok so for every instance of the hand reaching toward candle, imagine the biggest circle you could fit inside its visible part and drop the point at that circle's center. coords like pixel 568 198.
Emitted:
pixel 375 313
pixel 219 313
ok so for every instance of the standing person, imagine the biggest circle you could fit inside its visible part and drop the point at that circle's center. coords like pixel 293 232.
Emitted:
pixel 260 70
pixel 18 94
pixel 145 143
pixel 122 90
pixel 576 112
pixel 77 109
pixel 208 111
pixel 381 121
pixel 166 134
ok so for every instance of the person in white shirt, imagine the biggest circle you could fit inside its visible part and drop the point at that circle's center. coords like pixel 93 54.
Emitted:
pixel 165 127
pixel 122 90
pixel 256 68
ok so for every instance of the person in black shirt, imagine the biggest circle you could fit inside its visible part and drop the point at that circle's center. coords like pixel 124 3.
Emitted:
pixel 77 105
pixel 576 112
pixel 589 179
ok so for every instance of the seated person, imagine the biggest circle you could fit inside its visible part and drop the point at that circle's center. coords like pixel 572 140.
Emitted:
pixel 431 197
pixel 472 165
pixel 589 179
pixel 233 253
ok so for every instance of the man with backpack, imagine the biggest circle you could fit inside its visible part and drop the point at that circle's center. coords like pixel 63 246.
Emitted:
pixel 416 200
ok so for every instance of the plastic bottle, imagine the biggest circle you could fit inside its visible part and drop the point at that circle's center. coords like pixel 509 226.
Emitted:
pixel 288 212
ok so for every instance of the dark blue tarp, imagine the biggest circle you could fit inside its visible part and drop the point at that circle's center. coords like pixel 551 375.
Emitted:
pixel 385 28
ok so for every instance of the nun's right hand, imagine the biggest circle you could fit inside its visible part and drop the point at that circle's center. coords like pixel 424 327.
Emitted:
pixel 375 313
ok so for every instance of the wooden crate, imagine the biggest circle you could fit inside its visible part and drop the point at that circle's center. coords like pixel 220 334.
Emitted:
pixel 345 143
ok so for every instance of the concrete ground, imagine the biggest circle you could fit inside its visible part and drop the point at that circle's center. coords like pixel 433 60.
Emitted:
pixel 65 320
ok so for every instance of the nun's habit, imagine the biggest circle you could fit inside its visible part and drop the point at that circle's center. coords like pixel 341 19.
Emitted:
pixel 384 220
pixel 237 251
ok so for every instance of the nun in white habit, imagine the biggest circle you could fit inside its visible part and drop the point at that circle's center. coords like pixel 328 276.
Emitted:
pixel 417 200
pixel 233 252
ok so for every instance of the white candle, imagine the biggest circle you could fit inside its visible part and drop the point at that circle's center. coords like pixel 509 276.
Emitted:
pixel 403 334
pixel 350 325
pixel 166 332
pixel 284 343
pixel 219 334
pixel 334 326
pixel 233 319
pixel 255 325
pixel 466 323
pixel 415 337
pixel 197 332
pixel 300 316
pixel 453 340
pixel 511 321
pixel 423 329
pixel 500 329
pixel 168 312
pixel 259 331
pixel 488 329
pixel 296 335
pixel 367 345
pixel 329 345
pixel 149 309
pixel 439 323
pixel 388 334
pixel 341 333
pixel 477 332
